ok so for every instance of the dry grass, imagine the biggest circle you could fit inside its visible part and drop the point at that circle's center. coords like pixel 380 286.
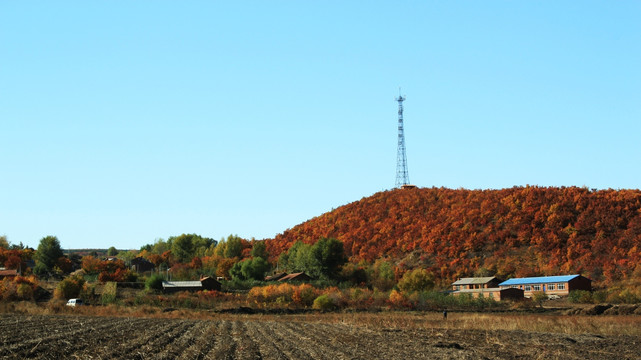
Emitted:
pixel 430 321
pixel 560 324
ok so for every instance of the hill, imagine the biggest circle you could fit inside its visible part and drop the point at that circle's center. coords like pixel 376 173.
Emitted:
pixel 521 231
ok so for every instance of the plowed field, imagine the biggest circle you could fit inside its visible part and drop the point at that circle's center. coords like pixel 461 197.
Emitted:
pixel 83 337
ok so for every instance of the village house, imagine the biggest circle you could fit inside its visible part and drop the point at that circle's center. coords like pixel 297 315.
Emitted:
pixel 141 265
pixel 475 283
pixel 551 285
pixel 205 283
pixel 301 276
pixel 486 287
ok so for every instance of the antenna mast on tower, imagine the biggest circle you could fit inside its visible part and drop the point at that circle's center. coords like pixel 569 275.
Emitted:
pixel 402 177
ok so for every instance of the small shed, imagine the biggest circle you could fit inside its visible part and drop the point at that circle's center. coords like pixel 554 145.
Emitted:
pixel 205 283
pixel 209 283
pixel 301 277
pixel 140 264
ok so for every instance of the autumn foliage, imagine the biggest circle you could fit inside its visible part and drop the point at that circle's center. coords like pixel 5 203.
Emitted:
pixel 521 231
pixel 107 270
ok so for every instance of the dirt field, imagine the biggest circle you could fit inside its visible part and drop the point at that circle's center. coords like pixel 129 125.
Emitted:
pixel 283 337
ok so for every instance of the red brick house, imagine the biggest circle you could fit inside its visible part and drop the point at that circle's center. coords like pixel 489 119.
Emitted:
pixel 552 285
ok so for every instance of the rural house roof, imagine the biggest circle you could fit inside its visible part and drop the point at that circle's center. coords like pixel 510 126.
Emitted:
pixel 474 280
pixel 295 276
pixel 181 284
pixel 275 276
pixel 12 272
pixel 539 280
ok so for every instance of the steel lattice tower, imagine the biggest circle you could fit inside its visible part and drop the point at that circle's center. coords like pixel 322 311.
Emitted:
pixel 402 177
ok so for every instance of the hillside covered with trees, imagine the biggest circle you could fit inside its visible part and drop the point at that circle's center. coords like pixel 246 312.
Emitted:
pixel 521 231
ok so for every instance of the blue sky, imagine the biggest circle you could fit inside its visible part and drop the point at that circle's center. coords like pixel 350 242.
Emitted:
pixel 126 121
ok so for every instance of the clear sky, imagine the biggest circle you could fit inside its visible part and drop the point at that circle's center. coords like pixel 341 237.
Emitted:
pixel 126 121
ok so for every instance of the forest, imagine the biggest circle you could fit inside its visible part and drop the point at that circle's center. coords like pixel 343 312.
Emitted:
pixel 520 231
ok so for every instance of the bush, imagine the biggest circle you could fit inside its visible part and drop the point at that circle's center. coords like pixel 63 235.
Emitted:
pixel 580 297
pixel 69 288
pixel 624 296
pixel 398 300
pixel 416 280
pixel 324 302
pixel 599 296
pixel 154 282
pixel 109 293
pixel 24 292
pixel 304 295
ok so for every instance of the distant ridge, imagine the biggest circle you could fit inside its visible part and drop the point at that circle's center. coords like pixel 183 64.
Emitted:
pixel 520 231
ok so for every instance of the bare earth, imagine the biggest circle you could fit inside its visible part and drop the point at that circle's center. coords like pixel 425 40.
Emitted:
pixel 83 337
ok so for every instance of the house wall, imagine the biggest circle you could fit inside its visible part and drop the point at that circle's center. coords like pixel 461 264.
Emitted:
pixel 511 294
pixel 555 288
pixel 580 283
pixel 210 284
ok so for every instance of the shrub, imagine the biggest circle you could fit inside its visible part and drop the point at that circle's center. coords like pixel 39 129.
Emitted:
pixel 154 282
pixel 398 300
pixel 599 296
pixel 109 293
pixel 580 297
pixel 304 295
pixel 24 292
pixel 623 297
pixel 538 297
pixel 416 280
pixel 324 302
pixel 69 288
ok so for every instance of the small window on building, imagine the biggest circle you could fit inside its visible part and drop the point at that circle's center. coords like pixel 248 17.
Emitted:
pixel 458 287
pixel 490 294
pixel 528 288
pixel 561 286
pixel 536 287
pixel 552 287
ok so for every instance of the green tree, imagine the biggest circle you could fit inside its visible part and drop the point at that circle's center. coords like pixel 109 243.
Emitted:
pixel 255 268
pixel 382 275
pixel 112 251
pixel 234 246
pixel 49 251
pixel 221 248
pixel 329 255
pixel 416 280
pixel 259 250
pixel 250 269
pixel 202 245
pixel 323 259
pixel 182 247
pixel 160 247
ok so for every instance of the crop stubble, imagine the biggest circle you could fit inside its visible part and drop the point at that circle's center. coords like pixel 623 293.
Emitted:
pixel 82 337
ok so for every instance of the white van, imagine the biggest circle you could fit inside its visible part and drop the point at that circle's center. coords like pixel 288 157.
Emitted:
pixel 75 302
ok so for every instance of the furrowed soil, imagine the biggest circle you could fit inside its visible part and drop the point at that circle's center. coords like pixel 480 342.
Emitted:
pixel 320 336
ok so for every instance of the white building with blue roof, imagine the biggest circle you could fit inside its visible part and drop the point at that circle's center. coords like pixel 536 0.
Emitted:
pixel 560 285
